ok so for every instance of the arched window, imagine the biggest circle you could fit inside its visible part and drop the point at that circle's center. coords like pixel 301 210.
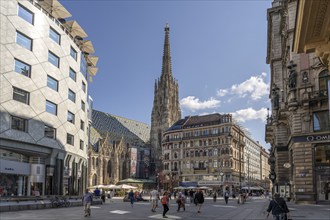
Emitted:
pixel 94 180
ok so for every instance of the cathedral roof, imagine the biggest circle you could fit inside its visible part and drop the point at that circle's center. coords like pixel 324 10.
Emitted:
pixel 118 127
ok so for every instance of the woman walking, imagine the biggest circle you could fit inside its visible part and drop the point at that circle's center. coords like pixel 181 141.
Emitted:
pixel 165 204
pixel 131 197
pixel 278 207
pixel 199 200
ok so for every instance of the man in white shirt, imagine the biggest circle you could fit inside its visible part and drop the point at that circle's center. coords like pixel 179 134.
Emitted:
pixel 153 198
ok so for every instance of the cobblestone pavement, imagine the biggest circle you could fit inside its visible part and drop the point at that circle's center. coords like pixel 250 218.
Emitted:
pixel 254 208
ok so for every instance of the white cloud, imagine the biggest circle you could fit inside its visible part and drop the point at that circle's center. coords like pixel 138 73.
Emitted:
pixel 192 103
pixel 255 86
pixel 222 92
pixel 250 114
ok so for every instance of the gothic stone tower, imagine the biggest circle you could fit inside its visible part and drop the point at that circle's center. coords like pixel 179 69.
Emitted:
pixel 166 109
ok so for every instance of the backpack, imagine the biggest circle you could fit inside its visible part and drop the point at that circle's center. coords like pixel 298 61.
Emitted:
pixel 164 200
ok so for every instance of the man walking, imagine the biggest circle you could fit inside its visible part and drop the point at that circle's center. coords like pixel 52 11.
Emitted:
pixel 226 196
pixel 199 198
pixel 278 207
pixel 153 199
pixel 87 201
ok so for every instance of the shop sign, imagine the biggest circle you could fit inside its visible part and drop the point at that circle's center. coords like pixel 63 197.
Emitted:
pixel 312 138
pixel 13 167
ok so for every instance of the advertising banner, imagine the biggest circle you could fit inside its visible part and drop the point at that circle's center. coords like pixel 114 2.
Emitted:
pixel 133 161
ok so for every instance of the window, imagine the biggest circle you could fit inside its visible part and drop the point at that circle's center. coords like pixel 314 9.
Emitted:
pixel 83 105
pixel 73 53
pixel 324 77
pixel 50 132
pixel 83 66
pixel 54 35
pixel 18 124
pixel 51 107
pixel 81 145
pixel 70 117
pixel 72 95
pixel 53 59
pixel 72 74
pixel 83 86
pixel 25 14
pixel 69 139
pixel 321 121
pixel 22 68
pixel 20 95
pixel 52 83
pixel 82 125
pixel 23 40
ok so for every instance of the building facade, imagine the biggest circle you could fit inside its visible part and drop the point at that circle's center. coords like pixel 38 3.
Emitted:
pixel 265 169
pixel 119 149
pixel 298 127
pixel 207 150
pixel 166 108
pixel 44 74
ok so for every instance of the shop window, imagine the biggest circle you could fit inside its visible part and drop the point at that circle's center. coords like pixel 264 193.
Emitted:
pixel 322 154
pixel 321 121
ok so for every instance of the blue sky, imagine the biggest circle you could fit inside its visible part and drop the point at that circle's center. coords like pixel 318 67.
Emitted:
pixel 218 51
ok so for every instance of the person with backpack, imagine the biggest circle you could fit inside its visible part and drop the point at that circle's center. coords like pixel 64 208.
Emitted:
pixel 199 200
pixel 278 207
pixel 226 196
pixel 165 204
pixel 87 201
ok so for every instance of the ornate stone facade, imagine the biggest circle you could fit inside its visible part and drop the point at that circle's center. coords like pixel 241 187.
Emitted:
pixel 166 106
pixel 298 127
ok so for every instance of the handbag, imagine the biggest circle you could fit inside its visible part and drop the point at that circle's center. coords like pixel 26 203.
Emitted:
pixel 284 212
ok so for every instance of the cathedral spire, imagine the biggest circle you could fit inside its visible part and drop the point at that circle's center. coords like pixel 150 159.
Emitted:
pixel 167 66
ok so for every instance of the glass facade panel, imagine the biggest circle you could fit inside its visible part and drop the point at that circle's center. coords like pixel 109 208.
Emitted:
pixel 52 83
pixel 22 68
pixel 50 132
pixel 25 14
pixel 72 95
pixel 83 105
pixel 18 124
pixel 72 74
pixel 70 139
pixel 51 107
pixel 83 66
pixel 83 86
pixel 54 35
pixel 70 117
pixel 321 121
pixel 53 59
pixel 23 40
pixel 73 53
pixel 20 95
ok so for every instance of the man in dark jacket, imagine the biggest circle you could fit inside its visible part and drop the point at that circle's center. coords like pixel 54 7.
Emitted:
pixel 199 199
pixel 278 207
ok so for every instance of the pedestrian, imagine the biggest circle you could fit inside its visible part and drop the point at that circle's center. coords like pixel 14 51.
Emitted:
pixel 181 202
pixel 226 196
pixel 131 197
pixel 87 201
pixel 199 199
pixel 165 204
pixel 153 199
pixel 278 207
pixel 97 192
pixel 214 196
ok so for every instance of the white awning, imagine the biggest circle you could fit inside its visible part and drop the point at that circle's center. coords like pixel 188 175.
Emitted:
pixel 55 8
